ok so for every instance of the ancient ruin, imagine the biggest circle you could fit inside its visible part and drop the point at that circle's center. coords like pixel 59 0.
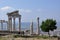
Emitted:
pixel 13 15
pixel 3 21
pixel 11 25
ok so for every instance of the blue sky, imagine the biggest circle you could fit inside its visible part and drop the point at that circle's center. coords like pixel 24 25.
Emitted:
pixel 31 9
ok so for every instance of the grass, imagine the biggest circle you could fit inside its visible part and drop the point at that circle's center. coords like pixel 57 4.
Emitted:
pixel 24 36
pixel 44 37
pixel 38 37
pixel 1 38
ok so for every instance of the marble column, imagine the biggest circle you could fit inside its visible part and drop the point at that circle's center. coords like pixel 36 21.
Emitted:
pixel 14 24
pixel 19 23
pixel 38 27
pixel 31 28
pixel 9 23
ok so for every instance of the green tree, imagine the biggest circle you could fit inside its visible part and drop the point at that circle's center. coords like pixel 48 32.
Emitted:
pixel 48 25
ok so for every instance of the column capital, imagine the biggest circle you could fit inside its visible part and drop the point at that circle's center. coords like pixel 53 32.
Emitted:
pixel 37 18
pixel 9 16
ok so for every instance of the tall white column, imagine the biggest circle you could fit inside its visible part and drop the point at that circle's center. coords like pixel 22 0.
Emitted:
pixel 31 28
pixel 14 24
pixel 38 27
pixel 9 23
pixel 19 23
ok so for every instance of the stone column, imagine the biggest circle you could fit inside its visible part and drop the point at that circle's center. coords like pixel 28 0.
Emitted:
pixel 38 27
pixel 8 28
pixel 31 28
pixel 19 23
pixel 1 25
pixel 9 23
pixel 14 24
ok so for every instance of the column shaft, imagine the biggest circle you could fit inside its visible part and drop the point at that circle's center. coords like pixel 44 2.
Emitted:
pixel 38 27
pixel 19 23
pixel 9 23
pixel 1 25
pixel 31 28
pixel 14 24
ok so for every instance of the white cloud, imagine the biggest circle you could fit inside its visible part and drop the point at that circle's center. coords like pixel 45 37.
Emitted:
pixel 25 10
pixel 41 10
pixel 8 8
pixel 28 11
pixel 21 10
pixel 5 8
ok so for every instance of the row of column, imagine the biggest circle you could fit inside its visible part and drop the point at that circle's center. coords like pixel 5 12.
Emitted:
pixel 38 27
pixel 10 23
pixel 2 21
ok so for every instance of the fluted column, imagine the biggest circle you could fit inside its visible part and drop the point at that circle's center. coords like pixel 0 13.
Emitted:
pixel 19 23
pixel 14 24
